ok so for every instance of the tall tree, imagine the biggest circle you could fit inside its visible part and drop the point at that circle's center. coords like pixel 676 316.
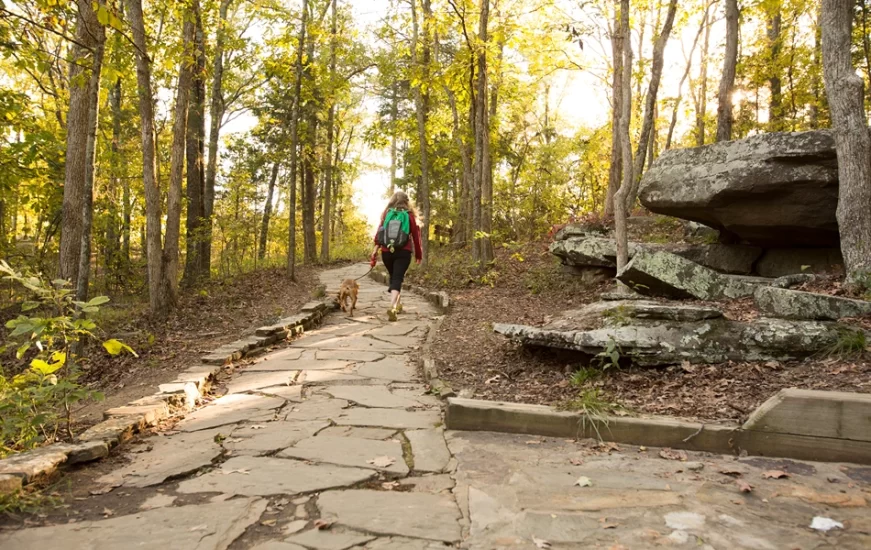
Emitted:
pixel 421 62
pixel 83 56
pixel 615 172
pixel 294 142
pixel 727 82
pixel 267 211
pixel 482 249
pixel 196 265
pixel 156 296
pixel 845 91
pixel 776 117
pixel 331 123
pixel 620 198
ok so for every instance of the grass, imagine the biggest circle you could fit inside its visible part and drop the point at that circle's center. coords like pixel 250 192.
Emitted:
pixel 583 375
pixel 26 502
pixel 850 342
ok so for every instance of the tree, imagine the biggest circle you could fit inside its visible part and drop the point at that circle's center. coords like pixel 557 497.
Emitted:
pixel 421 101
pixel 331 123
pixel 482 248
pixel 845 91
pixel 197 264
pixel 615 172
pixel 727 82
pixel 294 142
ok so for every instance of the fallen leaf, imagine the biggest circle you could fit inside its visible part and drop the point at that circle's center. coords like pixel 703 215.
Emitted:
pixel 491 380
pixel 774 474
pixel 576 461
pixel 687 367
pixel 108 512
pixel 825 524
pixel 101 491
pixel 584 481
pixel 323 524
pixel 202 527
pixel 642 448
pixel 540 543
pixel 743 486
pixel 382 461
pixel 734 473
pixel 670 454
pixel 390 485
pixel 269 522
pixel 245 471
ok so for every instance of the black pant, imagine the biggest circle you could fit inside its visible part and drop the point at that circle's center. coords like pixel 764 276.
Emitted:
pixel 397 264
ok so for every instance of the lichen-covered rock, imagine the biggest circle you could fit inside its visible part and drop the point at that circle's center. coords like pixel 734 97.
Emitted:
pixel 796 279
pixel 775 189
pixel 665 274
pixel 795 304
pixel 649 336
pixel 33 464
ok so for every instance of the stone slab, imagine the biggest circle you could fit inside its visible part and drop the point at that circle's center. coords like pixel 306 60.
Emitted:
pixel 112 430
pixel 329 540
pixel 348 451
pixel 372 396
pixel 327 377
pixel 262 476
pixel 34 464
pixel 229 410
pixel 88 451
pixel 396 329
pixel 342 355
pixel 200 527
pixel 170 456
pixel 390 368
pixel 360 433
pixel 352 343
pixel 291 393
pixel 252 381
pixel 389 418
pixel 417 515
pixel 277 545
pixel 315 408
pixel 429 450
pixel 795 304
pixel 429 484
pixel 665 274
pixel 269 437
pixel 302 363
pixel 831 414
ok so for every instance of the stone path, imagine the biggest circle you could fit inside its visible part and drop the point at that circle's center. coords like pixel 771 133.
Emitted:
pixel 337 431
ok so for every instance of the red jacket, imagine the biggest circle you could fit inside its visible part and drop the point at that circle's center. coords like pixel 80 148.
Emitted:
pixel 413 241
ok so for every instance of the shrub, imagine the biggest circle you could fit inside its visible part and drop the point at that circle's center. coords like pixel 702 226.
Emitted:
pixel 37 403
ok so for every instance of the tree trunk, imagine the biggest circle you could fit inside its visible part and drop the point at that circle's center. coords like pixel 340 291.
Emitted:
pixel 309 174
pixel 294 143
pixel 702 103
pixel 650 104
pixel 727 83
pixel 421 103
pixel 117 179
pixel 844 89
pixel 620 198
pixel 84 270
pixel 615 171
pixel 197 265
pixel 156 297
pixel 177 162
pixel 683 79
pixel 481 248
pixel 394 107
pixel 216 115
pixel 775 106
pixel 267 212
pixel 815 84
pixel 75 169
pixel 461 221
pixel 331 122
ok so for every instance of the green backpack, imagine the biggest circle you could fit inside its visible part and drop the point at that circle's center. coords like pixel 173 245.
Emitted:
pixel 395 231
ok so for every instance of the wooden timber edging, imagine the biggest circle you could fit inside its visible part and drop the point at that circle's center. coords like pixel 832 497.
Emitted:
pixel 493 416
pixel 181 395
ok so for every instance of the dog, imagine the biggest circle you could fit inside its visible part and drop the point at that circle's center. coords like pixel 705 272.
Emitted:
pixel 348 290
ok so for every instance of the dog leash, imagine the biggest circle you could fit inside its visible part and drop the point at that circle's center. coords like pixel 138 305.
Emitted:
pixel 363 275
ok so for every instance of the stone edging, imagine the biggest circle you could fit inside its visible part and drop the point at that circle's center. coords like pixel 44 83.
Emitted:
pixel 478 415
pixel 427 364
pixel 181 395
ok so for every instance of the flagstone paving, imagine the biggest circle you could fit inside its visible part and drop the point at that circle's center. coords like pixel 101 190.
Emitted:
pixel 333 444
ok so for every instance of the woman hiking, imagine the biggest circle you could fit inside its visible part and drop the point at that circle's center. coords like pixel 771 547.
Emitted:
pixel 397 235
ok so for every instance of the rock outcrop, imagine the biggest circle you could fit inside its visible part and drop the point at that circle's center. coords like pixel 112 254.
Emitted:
pixel 795 304
pixel 669 275
pixel 772 190
pixel 653 334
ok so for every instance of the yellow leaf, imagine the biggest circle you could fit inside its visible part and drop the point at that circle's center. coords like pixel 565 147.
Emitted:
pixel 114 347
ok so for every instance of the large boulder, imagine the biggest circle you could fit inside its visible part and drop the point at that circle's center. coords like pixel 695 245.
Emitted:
pixel 778 189
pixel 652 334
pixel 601 252
pixel 777 262
pixel 795 304
pixel 672 276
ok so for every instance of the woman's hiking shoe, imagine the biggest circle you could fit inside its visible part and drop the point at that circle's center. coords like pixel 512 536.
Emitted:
pixel 398 308
pixel 391 315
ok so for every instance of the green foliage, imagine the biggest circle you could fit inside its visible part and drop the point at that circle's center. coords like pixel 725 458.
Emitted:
pixel 850 342
pixel 25 501
pixel 51 331
pixel 610 356
pixel 583 375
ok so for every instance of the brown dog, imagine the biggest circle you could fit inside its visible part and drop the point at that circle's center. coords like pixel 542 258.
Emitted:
pixel 348 289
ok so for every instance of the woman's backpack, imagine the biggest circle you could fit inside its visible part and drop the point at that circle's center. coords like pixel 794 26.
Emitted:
pixel 394 232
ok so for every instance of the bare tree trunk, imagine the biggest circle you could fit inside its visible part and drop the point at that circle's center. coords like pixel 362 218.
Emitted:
pixel 683 79
pixel 815 84
pixel 75 169
pixel 309 168
pixel 90 160
pixel 620 198
pixel 461 221
pixel 116 179
pixel 294 143
pixel 775 106
pixel 845 91
pixel 394 106
pixel 727 83
pixel 197 265
pixel 177 161
pixel 216 115
pixel 331 122
pixel 267 212
pixel 421 103
pixel 702 103
pixel 157 299
pixel 481 247
pixel 615 172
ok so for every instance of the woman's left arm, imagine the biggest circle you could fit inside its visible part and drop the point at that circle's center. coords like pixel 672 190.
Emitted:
pixel 415 233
